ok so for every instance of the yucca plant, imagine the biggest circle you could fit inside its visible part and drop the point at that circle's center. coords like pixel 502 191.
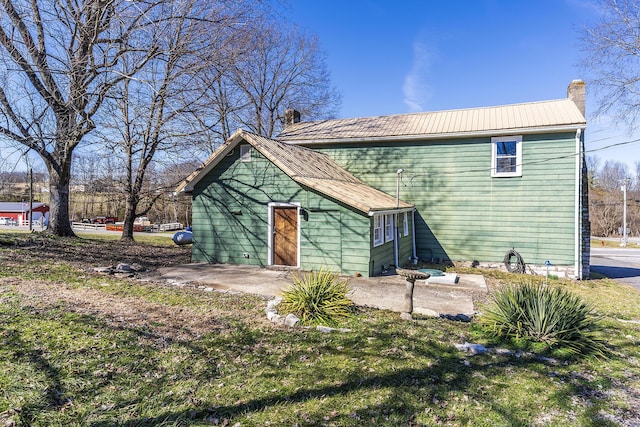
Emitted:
pixel 537 313
pixel 317 298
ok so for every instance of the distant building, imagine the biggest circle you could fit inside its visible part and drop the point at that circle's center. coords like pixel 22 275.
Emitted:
pixel 19 211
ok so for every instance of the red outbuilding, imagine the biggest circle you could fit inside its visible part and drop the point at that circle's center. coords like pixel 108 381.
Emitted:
pixel 19 213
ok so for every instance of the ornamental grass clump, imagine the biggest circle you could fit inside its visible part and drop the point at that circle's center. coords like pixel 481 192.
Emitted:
pixel 536 313
pixel 317 298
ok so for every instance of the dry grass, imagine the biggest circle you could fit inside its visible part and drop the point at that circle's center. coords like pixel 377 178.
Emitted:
pixel 82 349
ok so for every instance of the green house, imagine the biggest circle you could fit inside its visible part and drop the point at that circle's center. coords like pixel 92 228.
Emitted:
pixel 262 202
pixel 464 186
pixel 484 181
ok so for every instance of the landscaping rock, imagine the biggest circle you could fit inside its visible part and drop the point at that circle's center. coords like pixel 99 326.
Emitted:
pixel 278 320
pixel 427 312
pixel 272 305
pixel 406 316
pixel 472 348
pixel 291 320
pixel 121 268
pixel 138 267
pixel 124 268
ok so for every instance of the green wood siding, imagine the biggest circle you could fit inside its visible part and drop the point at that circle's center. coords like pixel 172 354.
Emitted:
pixel 405 249
pixel 383 256
pixel 465 214
pixel 332 236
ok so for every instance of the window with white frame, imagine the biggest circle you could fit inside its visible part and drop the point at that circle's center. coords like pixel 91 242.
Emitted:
pixel 378 225
pixel 388 227
pixel 506 156
pixel 245 153
pixel 405 224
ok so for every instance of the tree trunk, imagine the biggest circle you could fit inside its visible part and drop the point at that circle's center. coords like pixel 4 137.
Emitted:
pixel 129 218
pixel 59 223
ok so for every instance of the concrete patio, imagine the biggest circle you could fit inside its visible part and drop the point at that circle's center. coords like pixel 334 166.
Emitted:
pixel 383 292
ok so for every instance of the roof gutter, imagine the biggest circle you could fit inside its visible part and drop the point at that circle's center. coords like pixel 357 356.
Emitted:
pixel 392 211
pixel 421 137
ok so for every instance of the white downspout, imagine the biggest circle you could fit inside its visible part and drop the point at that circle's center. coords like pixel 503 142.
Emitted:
pixel 396 239
pixel 578 212
pixel 413 233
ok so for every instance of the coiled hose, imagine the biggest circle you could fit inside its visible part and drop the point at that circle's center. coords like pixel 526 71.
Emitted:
pixel 514 266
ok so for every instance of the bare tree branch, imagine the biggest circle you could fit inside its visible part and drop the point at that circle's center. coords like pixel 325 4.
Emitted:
pixel 612 60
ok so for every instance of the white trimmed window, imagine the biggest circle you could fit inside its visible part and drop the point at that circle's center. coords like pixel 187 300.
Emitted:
pixel 506 156
pixel 388 227
pixel 378 225
pixel 245 153
pixel 405 224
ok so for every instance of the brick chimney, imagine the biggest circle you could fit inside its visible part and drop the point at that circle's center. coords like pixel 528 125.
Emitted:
pixel 291 116
pixel 577 93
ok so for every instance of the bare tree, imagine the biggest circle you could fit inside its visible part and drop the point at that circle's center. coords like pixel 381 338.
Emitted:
pixel 155 111
pixel 225 100
pixel 612 59
pixel 284 69
pixel 171 207
pixel 593 166
pixel 85 175
pixel 606 201
pixel 57 63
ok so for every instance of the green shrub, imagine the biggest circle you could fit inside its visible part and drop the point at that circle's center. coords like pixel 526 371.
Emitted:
pixel 317 298
pixel 536 313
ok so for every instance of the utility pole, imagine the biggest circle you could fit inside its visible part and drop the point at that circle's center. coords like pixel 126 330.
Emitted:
pixel 625 183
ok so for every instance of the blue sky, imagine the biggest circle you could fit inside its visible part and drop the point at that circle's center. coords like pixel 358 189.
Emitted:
pixel 393 57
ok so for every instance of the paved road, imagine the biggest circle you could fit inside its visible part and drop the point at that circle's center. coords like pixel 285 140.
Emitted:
pixel 622 265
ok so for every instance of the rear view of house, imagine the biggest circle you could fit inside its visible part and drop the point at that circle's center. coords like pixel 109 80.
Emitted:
pixel 368 193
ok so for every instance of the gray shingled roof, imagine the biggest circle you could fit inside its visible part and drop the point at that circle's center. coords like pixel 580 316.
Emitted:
pixel 310 168
pixel 545 116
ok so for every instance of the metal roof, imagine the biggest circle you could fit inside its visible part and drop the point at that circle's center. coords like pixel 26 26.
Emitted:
pixel 310 168
pixel 544 116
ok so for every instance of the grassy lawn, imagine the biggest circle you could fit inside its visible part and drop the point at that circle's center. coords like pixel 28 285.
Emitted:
pixel 153 238
pixel 614 243
pixel 82 349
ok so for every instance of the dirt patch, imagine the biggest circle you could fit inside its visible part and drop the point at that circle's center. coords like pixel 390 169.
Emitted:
pixel 161 322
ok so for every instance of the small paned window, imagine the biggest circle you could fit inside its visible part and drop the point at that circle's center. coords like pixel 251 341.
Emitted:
pixel 506 156
pixel 388 227
pixel 245 153
pixel 378 238
pixel 405 224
